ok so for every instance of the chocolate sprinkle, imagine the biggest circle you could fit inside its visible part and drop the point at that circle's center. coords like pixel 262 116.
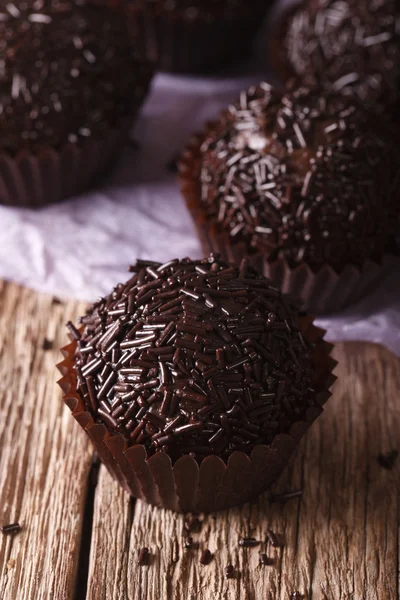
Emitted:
pixel 11 529
pixel 74 332
pixel 387 461
pixel 144 557
pixel 47 344
pixel 352 47
pixel 273 539
pixel 282 498
pixel 61 65
pixel 188 543
pixel 192 523
pixel 230 572
pixel 302 176
pixel 206 557
pixel 266 560
pixel 249 542
pixel 182 392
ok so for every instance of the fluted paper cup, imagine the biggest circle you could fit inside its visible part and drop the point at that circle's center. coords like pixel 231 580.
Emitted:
pixel 190 40
pixel 185 485
pixel 31 180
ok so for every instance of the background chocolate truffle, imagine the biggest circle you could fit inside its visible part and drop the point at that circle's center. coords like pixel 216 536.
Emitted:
pixel 69 75
pixel 191 36
pixel 351 46
pixel 298 175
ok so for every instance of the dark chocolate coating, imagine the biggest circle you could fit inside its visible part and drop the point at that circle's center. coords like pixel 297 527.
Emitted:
pixel 301 175
pixel 352 46
pixel 195 357
pixel 68 72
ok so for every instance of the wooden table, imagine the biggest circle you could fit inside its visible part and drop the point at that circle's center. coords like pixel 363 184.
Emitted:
pixel 81 539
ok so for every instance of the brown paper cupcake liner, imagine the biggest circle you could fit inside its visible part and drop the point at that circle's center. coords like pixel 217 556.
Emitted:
pixel 179 44
pixel 322 292
pixel 33 180
pixel 186 486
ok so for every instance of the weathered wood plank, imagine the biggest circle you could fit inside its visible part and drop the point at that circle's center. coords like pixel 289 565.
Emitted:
pixel 341 539
pixel 44 458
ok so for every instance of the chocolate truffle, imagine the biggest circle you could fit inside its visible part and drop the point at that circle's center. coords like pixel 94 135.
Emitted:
pixel 190 36
pixel 195 357
pixel 69 76
pixel 295 175
pixel 351 46
pixel 195 381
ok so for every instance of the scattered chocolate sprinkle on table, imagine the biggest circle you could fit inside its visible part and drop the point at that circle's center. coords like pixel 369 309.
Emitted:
pixel 349 522
pixel 387 461
pixel 192 524
pixel 11 529
pixel 230 572
pixel 273 539
pixel 249 542
pixel 47 344
pixel 188 543
pixel 206 557
pixel 266 560
pixel 144 557
pixel 282 498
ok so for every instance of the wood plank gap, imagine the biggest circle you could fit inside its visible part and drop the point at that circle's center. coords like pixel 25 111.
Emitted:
pixel 87 530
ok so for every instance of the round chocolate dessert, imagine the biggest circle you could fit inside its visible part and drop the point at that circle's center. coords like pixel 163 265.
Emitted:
pixel 351 46
pixel 191 36
pixel 69 75
pixel 297 176
pixel 195 358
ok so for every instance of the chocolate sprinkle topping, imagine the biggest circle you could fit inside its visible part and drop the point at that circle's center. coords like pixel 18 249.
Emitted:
pixel 60 73
pixel 352 47
pixel 147 366
pixel 300 176
pixel 11 529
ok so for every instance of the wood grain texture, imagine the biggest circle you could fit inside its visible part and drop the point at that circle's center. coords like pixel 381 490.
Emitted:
pixel 44 458
pixel 341 540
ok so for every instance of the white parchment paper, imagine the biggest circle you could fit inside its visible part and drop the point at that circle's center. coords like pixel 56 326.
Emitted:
pixel 83 247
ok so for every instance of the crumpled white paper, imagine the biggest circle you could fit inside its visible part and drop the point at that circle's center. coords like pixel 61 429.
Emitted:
pixel 83 247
